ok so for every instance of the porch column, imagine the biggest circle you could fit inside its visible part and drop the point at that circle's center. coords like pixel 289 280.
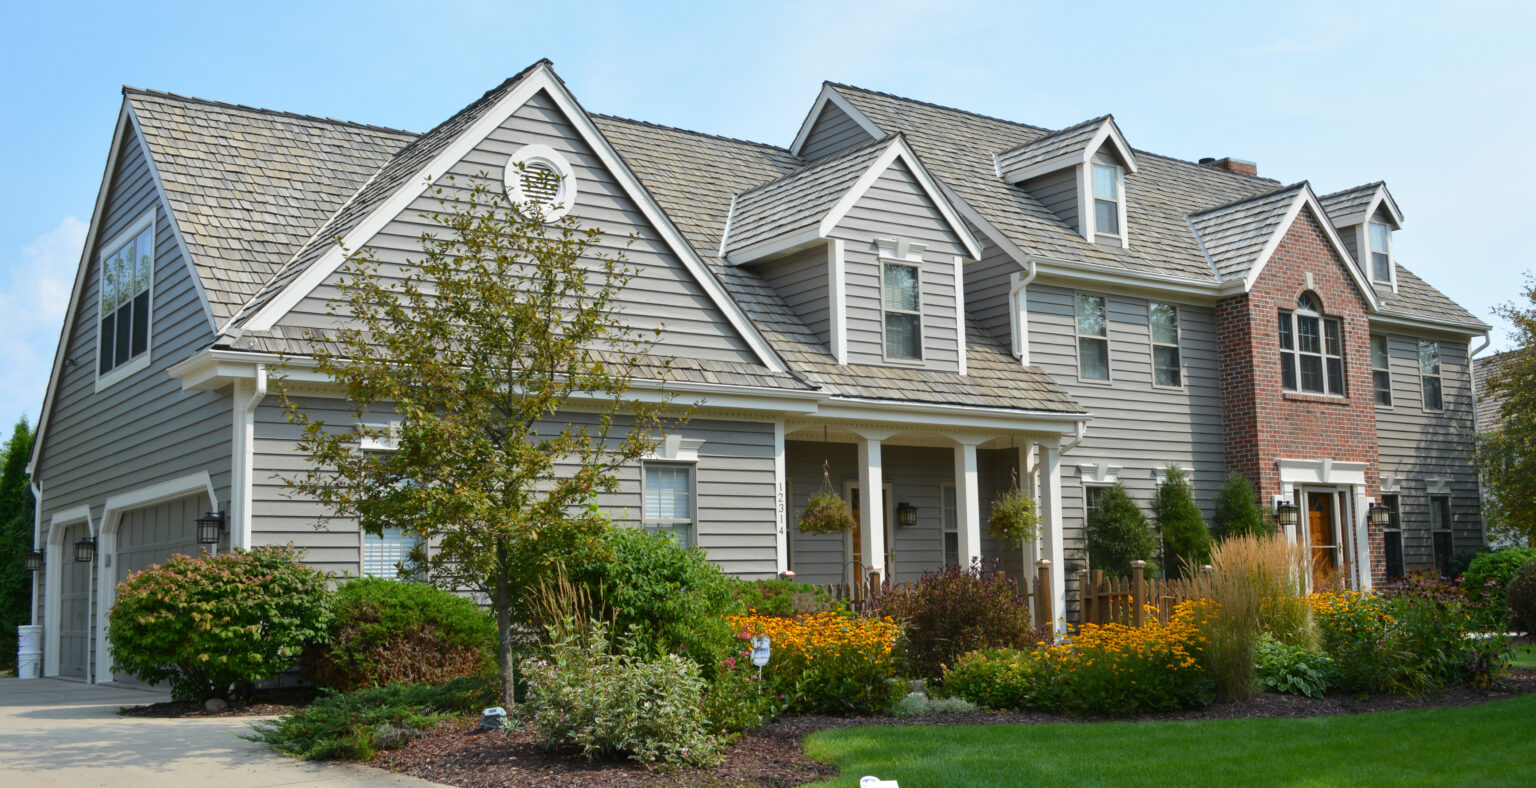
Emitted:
pixel 1362 539
pixel 967 501
pixel 1029 482
pixel 1052 538
pixel 871 505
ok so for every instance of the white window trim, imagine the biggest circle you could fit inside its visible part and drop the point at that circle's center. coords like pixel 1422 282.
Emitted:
pixel 511 176
pixel 1440 375
pixel 1391 398
pixel 916 264
pixel 1178 345
pixel 693 496
pixel 1091 221
pixel 369 443
pixel 944 530
pixel 141 361
pixel 1363 240
pixel 1077 344
pixel 1322 339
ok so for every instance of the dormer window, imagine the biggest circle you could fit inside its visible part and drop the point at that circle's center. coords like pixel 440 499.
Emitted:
pixel 1106 199
pixel 903 312
pixel 1381 252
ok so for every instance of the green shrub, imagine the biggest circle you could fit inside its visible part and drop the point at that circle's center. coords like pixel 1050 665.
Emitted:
pixel 1461 560
pixel 916 704
pixel 955 610
pixel 637 706
pixel 995 678
pixel 784 597
pixel 1238 512
pixel 386 631
pixel 1521 598
pixel 1489 574
pixel 205 624
pixel 1292 669
pixel 1186 538
pixel 356 725
pixel 664 597
pixel 1118 533
pixel 737 702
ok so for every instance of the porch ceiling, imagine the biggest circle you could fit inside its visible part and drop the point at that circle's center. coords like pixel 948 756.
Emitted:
pixel 817 432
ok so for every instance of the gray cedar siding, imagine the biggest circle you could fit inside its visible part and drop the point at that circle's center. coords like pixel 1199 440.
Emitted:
pixel 1058 192
pixel 832 132
pixel 735 486
pixel 1138 426
pixel 801 280
pixel 896 207
pixel 143 429
pixel 987 284
pixel 663 292
pixel 1417 446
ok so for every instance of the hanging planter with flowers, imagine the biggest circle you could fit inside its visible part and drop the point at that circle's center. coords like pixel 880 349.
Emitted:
pixel 1014 519
pixel 826 512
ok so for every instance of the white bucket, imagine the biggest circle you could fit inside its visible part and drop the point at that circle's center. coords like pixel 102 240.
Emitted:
pixel 29 666
pixel 30 640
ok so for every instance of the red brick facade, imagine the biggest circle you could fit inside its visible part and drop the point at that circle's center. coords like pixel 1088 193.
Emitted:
pixel 1264 423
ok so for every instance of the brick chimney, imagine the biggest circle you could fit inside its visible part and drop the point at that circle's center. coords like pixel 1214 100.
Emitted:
pixel 1230 164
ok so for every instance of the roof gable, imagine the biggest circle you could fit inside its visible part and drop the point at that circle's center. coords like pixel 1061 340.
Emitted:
pixel 828 101
pixel 1357 205
pixel 1068 147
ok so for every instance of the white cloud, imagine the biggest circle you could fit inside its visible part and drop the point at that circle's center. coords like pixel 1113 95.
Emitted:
pixel 32 305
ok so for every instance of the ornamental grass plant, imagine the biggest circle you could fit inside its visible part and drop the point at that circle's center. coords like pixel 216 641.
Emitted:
pixel 1258 586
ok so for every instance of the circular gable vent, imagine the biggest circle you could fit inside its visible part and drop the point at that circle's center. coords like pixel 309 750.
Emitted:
pixel 538 176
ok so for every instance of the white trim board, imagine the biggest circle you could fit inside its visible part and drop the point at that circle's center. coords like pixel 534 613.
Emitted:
pixel 53 576
pixel 830 95
pixel 1306 199
pixel 542 78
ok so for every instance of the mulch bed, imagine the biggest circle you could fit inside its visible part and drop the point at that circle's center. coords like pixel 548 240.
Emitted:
pixel 261 703
pixel 772 756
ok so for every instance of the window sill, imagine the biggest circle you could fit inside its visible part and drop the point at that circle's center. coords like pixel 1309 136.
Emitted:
pixel 1321 399
pixel 122 371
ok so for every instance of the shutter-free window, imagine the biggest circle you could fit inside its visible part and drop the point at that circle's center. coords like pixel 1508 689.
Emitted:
pixel 1381 252
pixel 1440 531
pixel 951 515
pixel 1429 374
pixel 1393 538
pixel 903 312
pixel 1106 199
pixel 126 273
pixel 1311 349
pixel 669 501
pixel 1381 369
pixel 1166 368
pixel 383 554
pixel 1092 338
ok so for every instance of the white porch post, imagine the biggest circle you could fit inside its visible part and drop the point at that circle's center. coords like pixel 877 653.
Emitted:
pixel 1052 537
pixel 1362 539
pixel 780 503
pixel 1030 484
pixel 967 502
pixel 871 505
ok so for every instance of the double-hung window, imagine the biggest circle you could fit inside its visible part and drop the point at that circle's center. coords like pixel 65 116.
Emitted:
pixel 1106 199
pixel 903 311
pixel 1166 369
pixel 1381 252
pixel 951 525
pixel 127 270
pixel 1381 370
pixel 669 500
pixel 1393 537
pixel 1311 349
pixel 1429 374
pixel 1440 531
pixel 386 553
pixel 1092 338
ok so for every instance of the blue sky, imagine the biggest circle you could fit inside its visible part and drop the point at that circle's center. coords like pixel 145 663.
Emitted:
pixel 1434 98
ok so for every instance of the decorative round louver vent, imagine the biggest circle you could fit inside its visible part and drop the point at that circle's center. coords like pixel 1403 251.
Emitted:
pixel 539 177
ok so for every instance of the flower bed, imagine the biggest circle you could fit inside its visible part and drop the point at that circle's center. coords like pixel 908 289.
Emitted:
pixel 829 663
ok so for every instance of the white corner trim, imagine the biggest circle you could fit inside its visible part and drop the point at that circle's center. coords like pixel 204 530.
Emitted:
pixel 1086 220
pixel 960 312
pixel 838 294
pixel 676 448
pixel 829 95
pixel 541 79
pixel 780 501
pixel 53 571
pixel 1324 471
pixel 899 150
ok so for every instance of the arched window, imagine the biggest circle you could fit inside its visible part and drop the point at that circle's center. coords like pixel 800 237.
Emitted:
pixel 1311 349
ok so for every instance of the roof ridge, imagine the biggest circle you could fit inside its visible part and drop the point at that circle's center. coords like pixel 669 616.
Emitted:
pixel 836 157
pixel 129 89
pixel 937 106
pixel 1361 187
pixel 695 133
pixel 1063 130
pixel 1273 192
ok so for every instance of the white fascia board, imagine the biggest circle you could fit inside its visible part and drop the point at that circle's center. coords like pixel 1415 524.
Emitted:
pixel 987 228
pixel 1111 133
pixel 75 293
pixel 181 241
pixel 1046 167
pixel 770 247
pixel 1418 323
pixel 1052 271
pixel 829 95
pixel 898 149
pixel 1306 199
pixel 954 416
pixel 542 79
pixel 1380 198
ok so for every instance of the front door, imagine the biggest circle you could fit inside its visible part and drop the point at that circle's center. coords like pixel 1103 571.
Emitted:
pixel 1322 538
pixel 860 573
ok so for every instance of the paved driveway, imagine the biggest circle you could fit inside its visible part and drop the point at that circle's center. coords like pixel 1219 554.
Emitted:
pixel 63 733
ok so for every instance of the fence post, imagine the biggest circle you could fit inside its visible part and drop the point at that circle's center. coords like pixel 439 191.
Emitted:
pixel 1084 600
pixel 1138 592
pixel 1043 615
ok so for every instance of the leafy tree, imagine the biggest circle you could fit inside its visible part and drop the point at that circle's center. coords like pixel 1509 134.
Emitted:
pixel 1186 538
pixel 1238 512
pixel 1118 533
pixel 15 539
pixel 1507 456
pixel 504 353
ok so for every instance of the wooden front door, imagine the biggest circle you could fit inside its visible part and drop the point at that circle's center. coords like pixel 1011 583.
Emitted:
pixel 1321 538
pixel 857 568
pixel 859 576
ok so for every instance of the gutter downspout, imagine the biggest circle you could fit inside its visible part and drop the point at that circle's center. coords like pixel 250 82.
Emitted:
pixel 1082 431
pixel 1018 312
pixel 38 541
pixel 1476 435
pixel 244 440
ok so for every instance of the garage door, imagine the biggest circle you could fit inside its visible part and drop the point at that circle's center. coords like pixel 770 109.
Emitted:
pixel 149 536
pixel 74 607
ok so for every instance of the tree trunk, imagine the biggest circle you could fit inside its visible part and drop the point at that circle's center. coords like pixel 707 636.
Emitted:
pixel 503 604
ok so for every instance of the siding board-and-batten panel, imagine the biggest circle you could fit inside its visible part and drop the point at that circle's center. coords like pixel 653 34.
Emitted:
pixel 834 131
pixel 662 294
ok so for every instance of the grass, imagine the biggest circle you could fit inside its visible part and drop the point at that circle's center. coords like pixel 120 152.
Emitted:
pixel 1488 744
pixel 1524 657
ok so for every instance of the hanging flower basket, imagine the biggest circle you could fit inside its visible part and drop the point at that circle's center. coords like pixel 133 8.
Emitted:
pixel 826 513
pixel 1014 519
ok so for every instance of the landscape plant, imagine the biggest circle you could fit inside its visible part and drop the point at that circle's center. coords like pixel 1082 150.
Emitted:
pixel 1186 538
pixel 486 347
pixel 1506 455
pixel 1521 598
pixel 826 513
pixel 206 624
pixel 1013 520
pixel 357 725
pixel 386 631
pixel 1487 577
pixel 1118 533
pixel 1257 586
pixel 784 597
pixel 1237 510
pixel 1291 669
pixel 16 539
pixel 950 611
pixel 828 663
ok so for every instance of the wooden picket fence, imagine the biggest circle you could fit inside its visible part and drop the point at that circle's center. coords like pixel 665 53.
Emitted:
pixel 1135 600
pixel 860 597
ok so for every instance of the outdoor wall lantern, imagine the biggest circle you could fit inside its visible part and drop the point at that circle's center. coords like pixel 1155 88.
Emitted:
pixel 1286 514
pixel 34 561
pixel 85 550
pixel 1379 514
pixel 209 527
pixel 906 514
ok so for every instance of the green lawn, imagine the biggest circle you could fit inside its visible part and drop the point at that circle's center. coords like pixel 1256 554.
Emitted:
pixel 1489 744
pixel 1525 657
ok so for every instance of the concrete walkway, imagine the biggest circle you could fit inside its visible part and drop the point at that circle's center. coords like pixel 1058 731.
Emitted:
pixel 63 733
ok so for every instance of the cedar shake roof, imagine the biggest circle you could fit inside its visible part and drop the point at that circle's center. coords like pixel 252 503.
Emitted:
pixel 800 199
pixel 1072 139
pixel 1234 235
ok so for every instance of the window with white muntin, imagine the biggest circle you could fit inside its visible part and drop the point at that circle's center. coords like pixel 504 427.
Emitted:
pixel 389 553
pixel 669 500
pixel 1429 375
pixel 1167 368
pixel 127 277
pixel 902 310
pixel 1106 199
pixel 1381 252
pixel 1311 349
pixel 1381 370
pixel 1092 338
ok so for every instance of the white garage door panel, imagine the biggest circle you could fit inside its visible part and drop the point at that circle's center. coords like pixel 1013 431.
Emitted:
pixel 74 608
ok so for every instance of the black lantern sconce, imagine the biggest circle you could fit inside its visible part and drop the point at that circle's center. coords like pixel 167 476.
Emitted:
pixel 34 561
pixel 85 550
pixel 209 527
pixel 906 514
pixel 1286 514
pixel 1378 514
